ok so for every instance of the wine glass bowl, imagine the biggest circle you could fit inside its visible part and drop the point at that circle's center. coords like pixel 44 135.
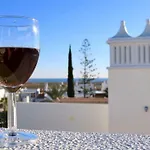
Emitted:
pixel 19 50
pixel 19 53
pixel 17 65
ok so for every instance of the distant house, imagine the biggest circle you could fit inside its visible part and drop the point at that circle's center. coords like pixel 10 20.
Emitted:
pixel 33 95
pixel 104 85
pixel 92 91
pixel 99 94
pixel 79 88
pixel 28 95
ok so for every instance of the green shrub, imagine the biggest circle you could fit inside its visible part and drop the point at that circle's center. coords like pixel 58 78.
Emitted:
pixel 3 119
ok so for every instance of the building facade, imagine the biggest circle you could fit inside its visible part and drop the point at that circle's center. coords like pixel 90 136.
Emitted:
pixel 129 81
pixel 3 93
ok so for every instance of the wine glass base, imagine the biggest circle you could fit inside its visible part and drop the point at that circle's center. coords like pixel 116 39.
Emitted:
pixel 21 138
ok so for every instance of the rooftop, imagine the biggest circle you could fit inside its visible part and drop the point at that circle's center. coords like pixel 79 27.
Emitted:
pixel 122 32
pixel 146 31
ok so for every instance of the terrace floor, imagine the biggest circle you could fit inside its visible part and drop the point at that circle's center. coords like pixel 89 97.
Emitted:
pixel 80 140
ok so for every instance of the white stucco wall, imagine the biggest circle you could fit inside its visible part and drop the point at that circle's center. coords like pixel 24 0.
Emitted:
pixel 64 116
pixel 129 92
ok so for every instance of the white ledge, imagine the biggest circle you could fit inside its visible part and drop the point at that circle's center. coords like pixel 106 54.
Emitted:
pixel 138 66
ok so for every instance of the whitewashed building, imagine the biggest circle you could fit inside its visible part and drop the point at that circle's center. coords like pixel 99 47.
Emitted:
pixel 78 88
pixel 3 93
pixel 129 81
pixel 104 85
pixel 32 95
pixel 28 95
pixel 46 87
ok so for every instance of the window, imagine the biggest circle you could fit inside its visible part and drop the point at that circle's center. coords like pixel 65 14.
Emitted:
pixel 130 59
pixel 139 58
pixel 115 55
pixel 144 54
pixel 32 95
pixel 119 54
pixel 125 57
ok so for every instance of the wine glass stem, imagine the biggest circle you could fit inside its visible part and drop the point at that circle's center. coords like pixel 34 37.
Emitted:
pixel 12 118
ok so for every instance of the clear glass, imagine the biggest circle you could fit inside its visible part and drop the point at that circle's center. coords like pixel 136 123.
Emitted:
pixel 19 53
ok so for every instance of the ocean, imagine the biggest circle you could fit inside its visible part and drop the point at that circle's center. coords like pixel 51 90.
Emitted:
pixel 59 80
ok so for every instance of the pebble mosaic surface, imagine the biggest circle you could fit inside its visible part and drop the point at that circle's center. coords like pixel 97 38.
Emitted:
pixel 62 140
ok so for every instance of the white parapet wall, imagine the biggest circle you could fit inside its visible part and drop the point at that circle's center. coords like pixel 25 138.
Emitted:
pixel 63 116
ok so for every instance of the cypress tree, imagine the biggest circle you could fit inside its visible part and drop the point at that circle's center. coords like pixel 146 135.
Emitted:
pixel 70 89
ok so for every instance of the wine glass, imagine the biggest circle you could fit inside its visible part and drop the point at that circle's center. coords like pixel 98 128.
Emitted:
pixel 19 53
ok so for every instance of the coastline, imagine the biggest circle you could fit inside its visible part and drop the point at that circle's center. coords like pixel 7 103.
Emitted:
pixel 40 82
pixel 60 80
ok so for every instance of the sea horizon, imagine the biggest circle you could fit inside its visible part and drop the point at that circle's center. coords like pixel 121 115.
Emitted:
pixel 48 80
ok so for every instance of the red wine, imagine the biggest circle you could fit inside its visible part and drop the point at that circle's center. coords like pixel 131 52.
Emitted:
pixel 16 66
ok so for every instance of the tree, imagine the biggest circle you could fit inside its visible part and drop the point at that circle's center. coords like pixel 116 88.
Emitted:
pixel 3 101
pixel 88 68
pixel 3 114
pixel 106 92
pixel 70 88
pixel 56 91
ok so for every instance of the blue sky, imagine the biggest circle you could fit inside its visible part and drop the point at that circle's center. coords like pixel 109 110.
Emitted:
pixel 64 22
